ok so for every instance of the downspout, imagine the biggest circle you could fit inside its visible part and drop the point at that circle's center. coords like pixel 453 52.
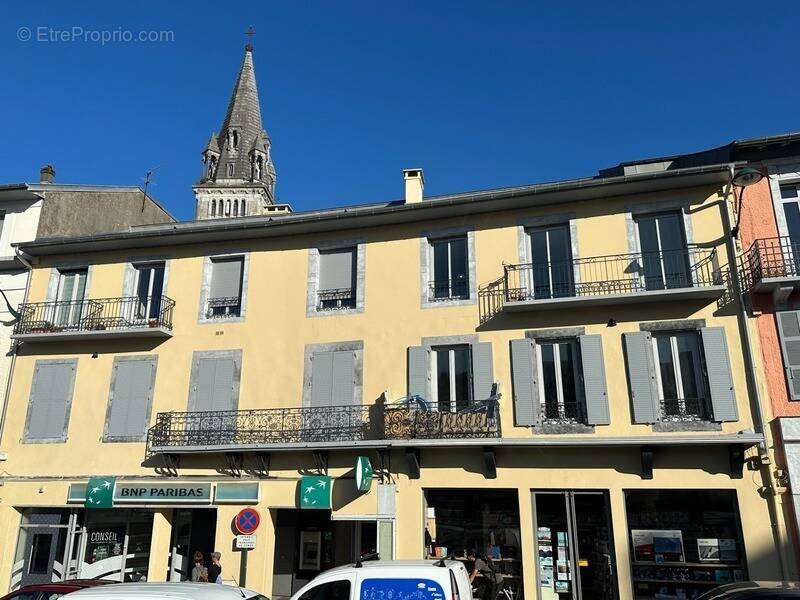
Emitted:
pixel 752 379
pixel 25 259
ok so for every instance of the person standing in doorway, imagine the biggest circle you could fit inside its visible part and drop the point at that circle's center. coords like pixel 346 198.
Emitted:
pixel 215 570
pixel 199 572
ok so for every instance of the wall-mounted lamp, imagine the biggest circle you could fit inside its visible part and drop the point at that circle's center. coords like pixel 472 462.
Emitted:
pixel 94 354
pixel 611 323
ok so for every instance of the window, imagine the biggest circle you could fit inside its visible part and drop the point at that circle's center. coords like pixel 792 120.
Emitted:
pixel 789 332
pixel 70 296
pixel 450 269
pixel 679 376
pixel 235 207
pixel 337 284
pixel 333 590
pixel 225 293
pixel 560 390
pixel 50 399
pixel 149 290
pixel 790 196
pixel 39 563
pixel 230 169
pixel 665 259
pixel 213 208
pixel 452 381
pixel 130 399
pixel 243 211
pixel 215 381
pixel 551 262
pixel 333 378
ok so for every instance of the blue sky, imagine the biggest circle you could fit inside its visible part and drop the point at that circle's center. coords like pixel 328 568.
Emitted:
pixel 478 94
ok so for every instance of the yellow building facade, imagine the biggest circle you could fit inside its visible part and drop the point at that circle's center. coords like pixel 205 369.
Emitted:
pixel 552 375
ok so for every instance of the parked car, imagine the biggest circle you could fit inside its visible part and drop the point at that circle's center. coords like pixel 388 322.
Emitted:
pixel 162 591
pixel 424 579
pixel 754 590
pixel 51 591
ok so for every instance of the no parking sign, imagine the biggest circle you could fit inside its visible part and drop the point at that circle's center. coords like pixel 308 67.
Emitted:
pixel 247 521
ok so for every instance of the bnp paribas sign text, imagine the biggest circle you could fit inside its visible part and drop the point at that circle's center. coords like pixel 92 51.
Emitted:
pixel 162 492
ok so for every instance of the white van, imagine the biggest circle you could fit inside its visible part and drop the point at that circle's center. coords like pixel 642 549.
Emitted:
pixel 391 579
pixel 165 591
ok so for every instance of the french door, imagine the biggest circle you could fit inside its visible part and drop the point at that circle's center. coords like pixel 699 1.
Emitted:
pixel 574 546
pixel 70 296
pixel 149 290
pixel 551 263
pixel 665 258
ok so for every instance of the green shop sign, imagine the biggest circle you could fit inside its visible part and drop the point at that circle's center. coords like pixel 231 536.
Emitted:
pixel 100 492
pixel 316 491
pixel 363 474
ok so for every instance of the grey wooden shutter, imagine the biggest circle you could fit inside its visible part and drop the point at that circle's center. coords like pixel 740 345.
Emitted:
pixel 51 396
pixel 594 380
pixel 718 372
pixel 336 269
pixel 525 384
pixel 226 278
pixel 641 376
pixel 130 399
pixel 789 332
pixel 321 379
pixel 343 378
pixel 215 386
pixel 482 373
pixel 419 363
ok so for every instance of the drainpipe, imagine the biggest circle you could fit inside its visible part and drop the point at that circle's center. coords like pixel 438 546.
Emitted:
pixel 752 379
pixel 25 259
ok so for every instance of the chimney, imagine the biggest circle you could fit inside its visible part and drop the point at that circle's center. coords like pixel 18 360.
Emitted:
pixel 415 183
pixel 47 174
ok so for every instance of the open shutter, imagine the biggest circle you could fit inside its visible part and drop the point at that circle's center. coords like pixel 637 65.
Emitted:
pixel 321 379
pixel 343 378
pixel 594 380
pixel 128 412
pixel 482 373
pixel 336 269
pixel 789 331
pixel 50 396
pixel 525 385
pixel 718 372
pixel 226 278
pixel 419 361
pixel 641 376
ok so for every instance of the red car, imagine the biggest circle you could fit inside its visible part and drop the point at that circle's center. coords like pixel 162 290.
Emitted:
pixel 51 591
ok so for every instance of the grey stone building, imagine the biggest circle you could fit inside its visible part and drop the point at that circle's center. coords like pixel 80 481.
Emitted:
pixel 239 176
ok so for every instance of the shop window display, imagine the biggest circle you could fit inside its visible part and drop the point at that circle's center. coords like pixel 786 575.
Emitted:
pixel 684 542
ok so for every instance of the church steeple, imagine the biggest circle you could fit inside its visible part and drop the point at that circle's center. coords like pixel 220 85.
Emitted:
pixel 237 162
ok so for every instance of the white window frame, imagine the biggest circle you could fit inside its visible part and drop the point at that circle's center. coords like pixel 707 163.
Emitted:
pixel 655 216
pixel 576 373
pixel 434 370
pixel 138 267
pixel 447 240
pixel 75 310
pixel 546 230
pixel 699 372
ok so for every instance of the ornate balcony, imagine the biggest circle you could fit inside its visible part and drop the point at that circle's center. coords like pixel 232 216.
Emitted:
pixel 96 318
pixel 325 427
pixel 692 273
pixel 448 289
pixel 772 265
pixel 336 299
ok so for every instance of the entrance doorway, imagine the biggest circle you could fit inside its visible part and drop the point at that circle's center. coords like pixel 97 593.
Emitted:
pixel 193 529
pixel 574 546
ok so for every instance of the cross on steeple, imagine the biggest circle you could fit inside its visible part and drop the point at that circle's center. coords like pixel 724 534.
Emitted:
pixel 249 33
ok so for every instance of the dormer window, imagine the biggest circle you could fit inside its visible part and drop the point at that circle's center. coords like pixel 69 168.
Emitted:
pixel 230 169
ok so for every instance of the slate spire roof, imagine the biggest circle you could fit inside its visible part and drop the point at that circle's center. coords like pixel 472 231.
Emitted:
pixel 242 131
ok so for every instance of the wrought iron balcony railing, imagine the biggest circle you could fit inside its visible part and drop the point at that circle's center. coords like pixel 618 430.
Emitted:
pixel 770 258
pixel 563 412
pixel 223 308
pixel 100 314
pixel 448 289
pixel 684 409
pixel 265 427
pixel 336 299
pixel 598 276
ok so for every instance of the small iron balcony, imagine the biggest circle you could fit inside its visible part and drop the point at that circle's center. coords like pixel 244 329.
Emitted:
pixel 683 409
pixel 448 289
pixel 320 427
pixel 223 308
pixel 336 299
pixel 95 318
pixel 601 280
pixel 772 265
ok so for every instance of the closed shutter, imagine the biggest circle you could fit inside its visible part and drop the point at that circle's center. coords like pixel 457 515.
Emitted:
pixel 226 278
pixel 594 380
pixel 641 376
pixel 130 399
pixel 525 385
pixel 482 375
pixel 336 269
pixel 215 385
pixel 51 393
pixel 419 363
pixel 344 365
pixel 321 379
pixel 718 372
pixel 789 331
